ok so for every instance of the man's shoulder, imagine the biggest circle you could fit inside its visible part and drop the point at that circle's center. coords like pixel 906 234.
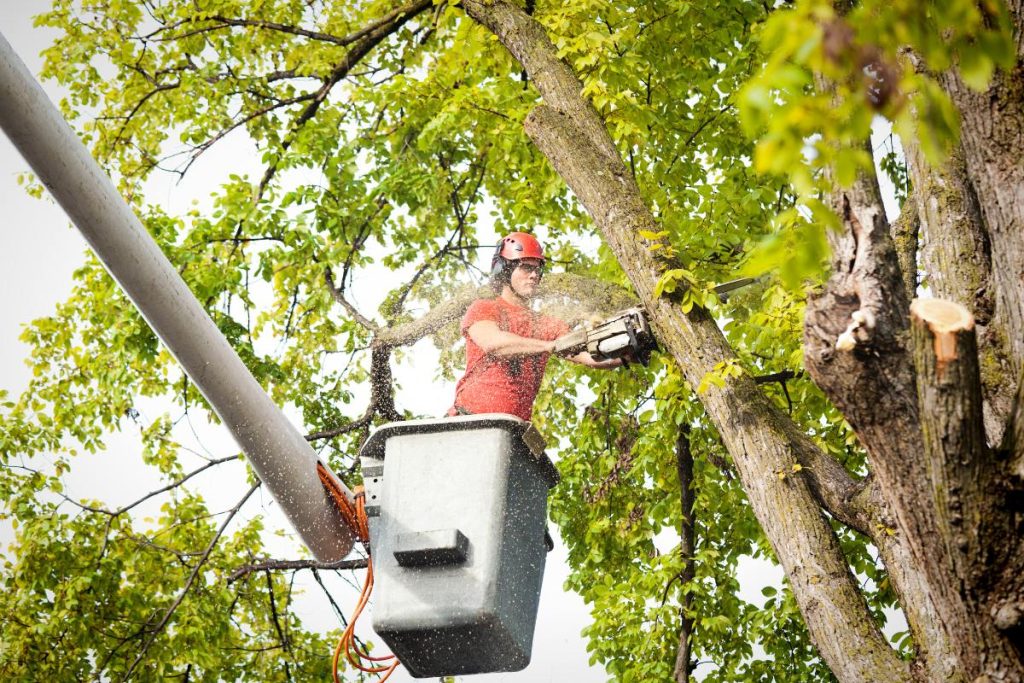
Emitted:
pixel 481 309
pixel 483 304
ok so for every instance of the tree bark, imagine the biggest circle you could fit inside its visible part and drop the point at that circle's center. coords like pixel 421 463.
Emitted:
pixel 906 232
pixel 954 447
pixel 1006 602
pixel 687 548
pixel 957 256
pixel 965 483
pixel 992 137
pixel 855 348
pixel 992 140
pixel 858 350
pixel 763 441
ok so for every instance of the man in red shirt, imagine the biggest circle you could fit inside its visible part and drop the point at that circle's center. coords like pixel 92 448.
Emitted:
pixel 507 344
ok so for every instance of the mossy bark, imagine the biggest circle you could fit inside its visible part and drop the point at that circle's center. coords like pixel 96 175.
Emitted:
pixel 957 256
pixel 992 139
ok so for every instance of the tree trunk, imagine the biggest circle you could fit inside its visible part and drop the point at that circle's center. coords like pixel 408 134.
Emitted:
pixel 858 349
pixel 871 378
pixel 992 139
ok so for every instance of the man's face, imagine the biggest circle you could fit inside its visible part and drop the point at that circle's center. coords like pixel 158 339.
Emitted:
pixel 526 277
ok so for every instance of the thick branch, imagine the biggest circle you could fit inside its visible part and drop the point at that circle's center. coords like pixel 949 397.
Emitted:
pixel 687 548
pixel 957 256
pixel 963 475
pixel 294 565
pixel 992 140
pixel 571 134
pixel 905 233
pixel 956 459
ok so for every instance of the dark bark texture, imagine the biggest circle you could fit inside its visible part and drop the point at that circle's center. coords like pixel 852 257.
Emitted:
pixel 687 547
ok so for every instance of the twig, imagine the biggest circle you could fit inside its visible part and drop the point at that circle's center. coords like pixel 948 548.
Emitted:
pixel 362 421
pixel 285 565
pixel 155 631
pixel 277 623
pixel 340 298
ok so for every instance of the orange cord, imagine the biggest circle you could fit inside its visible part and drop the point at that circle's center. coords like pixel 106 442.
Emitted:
pixel 356 520
pixel 353 519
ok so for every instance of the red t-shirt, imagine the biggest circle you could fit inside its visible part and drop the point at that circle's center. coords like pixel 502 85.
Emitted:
pixel 508 384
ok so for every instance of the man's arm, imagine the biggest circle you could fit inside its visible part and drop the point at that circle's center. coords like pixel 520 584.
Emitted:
pixel 496 342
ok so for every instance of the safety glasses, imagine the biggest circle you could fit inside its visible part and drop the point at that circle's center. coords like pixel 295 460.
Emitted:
pixel 531 268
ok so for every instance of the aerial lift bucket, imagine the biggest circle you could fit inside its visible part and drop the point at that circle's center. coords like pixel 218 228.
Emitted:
pixel 457 509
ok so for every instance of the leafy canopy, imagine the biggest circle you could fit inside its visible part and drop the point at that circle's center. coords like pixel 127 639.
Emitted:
pixel 391 147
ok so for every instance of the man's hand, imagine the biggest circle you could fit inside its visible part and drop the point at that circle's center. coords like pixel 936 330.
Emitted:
pixel 571 344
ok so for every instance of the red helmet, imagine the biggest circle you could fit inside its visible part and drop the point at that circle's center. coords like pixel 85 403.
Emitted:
pixel 513 247
pixel 519 245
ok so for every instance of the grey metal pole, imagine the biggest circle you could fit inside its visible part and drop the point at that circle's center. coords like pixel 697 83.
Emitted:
pixel 278 452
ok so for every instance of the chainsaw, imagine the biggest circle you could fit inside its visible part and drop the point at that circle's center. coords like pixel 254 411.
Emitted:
pixel 625 335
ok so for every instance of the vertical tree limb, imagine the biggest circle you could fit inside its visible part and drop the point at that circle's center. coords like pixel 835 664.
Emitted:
pixel 687 548
pixel 992 139
pixel 963 477
pixel 956 458
pixel 906 231
pixel 957 255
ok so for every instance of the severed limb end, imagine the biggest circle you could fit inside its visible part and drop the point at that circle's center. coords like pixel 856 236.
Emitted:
pixel 945 320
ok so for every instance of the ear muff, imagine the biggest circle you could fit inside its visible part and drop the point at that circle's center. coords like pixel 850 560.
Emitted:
pixel 498 263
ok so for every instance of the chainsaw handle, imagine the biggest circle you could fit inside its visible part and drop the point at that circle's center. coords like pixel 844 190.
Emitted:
pixel 571 344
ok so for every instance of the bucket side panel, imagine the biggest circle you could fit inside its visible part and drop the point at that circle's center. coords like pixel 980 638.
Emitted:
pixel 440 481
